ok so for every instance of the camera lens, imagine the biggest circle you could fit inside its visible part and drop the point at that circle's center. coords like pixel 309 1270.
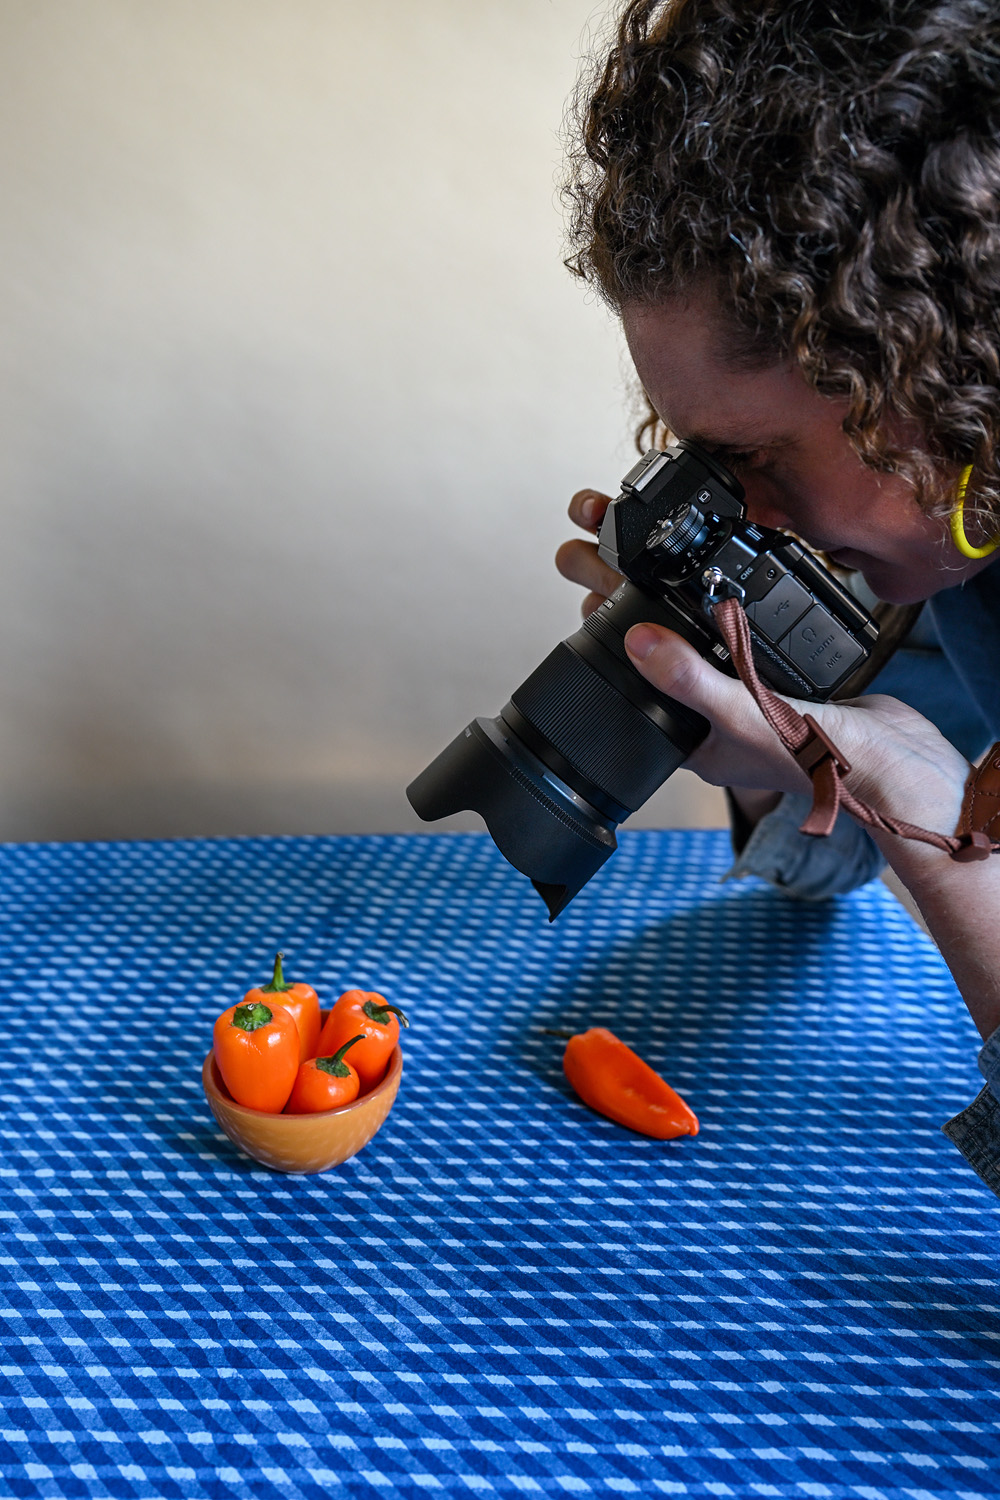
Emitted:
pixel 585 739
pixel 582 743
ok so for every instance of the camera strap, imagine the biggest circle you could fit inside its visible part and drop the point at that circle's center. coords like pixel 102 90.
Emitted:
pixel 979 827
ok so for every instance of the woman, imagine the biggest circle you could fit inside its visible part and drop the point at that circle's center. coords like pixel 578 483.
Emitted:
pixel 796 212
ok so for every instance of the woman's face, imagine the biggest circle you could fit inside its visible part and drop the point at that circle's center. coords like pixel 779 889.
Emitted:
pixel 787 445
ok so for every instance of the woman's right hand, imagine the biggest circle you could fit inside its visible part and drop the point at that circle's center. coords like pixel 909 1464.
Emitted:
pixel 579 561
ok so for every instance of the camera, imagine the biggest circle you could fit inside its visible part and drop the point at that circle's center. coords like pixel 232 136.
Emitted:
pixel 585 739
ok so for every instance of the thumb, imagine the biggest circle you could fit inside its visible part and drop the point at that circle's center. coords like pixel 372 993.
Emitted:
pixel 673 666
pixel 742 748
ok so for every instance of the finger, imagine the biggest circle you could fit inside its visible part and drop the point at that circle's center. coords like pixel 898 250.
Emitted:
pixel 587 509
pixel 580 562
pixel 674 667
pixel 592 602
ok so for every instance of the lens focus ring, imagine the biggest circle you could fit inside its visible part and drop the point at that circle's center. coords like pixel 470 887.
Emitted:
pixel 599 731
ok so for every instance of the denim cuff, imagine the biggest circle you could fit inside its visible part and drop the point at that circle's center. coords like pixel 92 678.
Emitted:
pixel 976 1133
pixel 989 1062
pixel 809 868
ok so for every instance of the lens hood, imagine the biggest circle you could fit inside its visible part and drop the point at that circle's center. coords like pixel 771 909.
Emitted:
pixel 543 827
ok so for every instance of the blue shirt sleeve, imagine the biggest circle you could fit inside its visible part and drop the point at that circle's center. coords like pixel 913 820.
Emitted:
pixel 808 868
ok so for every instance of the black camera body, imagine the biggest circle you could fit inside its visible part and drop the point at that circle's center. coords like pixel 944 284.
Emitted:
pixel 585 739
pixel 679 515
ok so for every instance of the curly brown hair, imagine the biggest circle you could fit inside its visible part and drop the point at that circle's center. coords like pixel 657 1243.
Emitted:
pixel 834 170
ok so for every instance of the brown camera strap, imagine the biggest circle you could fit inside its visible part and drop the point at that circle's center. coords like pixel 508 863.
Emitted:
pixel 981 808
pixel 979 829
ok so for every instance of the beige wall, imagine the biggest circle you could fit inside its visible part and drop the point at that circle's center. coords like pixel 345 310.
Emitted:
pixel 294 390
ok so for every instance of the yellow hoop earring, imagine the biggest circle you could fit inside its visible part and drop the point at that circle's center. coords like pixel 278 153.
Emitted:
pixel 958 535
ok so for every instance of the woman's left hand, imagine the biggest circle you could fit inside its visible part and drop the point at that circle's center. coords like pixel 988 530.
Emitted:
pixel 901 766
pixel 901 763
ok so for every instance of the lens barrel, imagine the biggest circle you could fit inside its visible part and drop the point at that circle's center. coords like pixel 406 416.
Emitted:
pixel 583 742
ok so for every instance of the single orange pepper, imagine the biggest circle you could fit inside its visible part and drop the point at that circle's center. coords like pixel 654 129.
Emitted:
pixel 257 1050
pixel 612 1079
pixel 324 1083
pixel 367 1013
pixel 301 1002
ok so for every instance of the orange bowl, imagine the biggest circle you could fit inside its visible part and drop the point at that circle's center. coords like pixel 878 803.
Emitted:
pixel 302 1143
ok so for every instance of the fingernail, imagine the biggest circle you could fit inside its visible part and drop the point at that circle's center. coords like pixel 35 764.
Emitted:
pixel 640 641
pixel 588 508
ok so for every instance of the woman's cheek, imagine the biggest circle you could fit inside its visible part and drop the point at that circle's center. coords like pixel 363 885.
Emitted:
pixel 768 503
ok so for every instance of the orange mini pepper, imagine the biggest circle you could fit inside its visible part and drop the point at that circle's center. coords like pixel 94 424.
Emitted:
pixel 612 1079
pixel 370 1015
pixel 301 1002
pixel 257 1050
pixel 324 1083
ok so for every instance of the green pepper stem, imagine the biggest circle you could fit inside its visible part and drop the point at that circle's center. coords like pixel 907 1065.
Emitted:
pixel 279 984
pixel 251 1017
pixel 380 1013
pixel 336 1064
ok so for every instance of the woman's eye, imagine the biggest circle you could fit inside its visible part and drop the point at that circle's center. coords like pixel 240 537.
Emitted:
pixel 753 458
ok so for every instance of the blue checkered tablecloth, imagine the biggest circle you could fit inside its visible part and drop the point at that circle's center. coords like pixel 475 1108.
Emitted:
pixel 504 1293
